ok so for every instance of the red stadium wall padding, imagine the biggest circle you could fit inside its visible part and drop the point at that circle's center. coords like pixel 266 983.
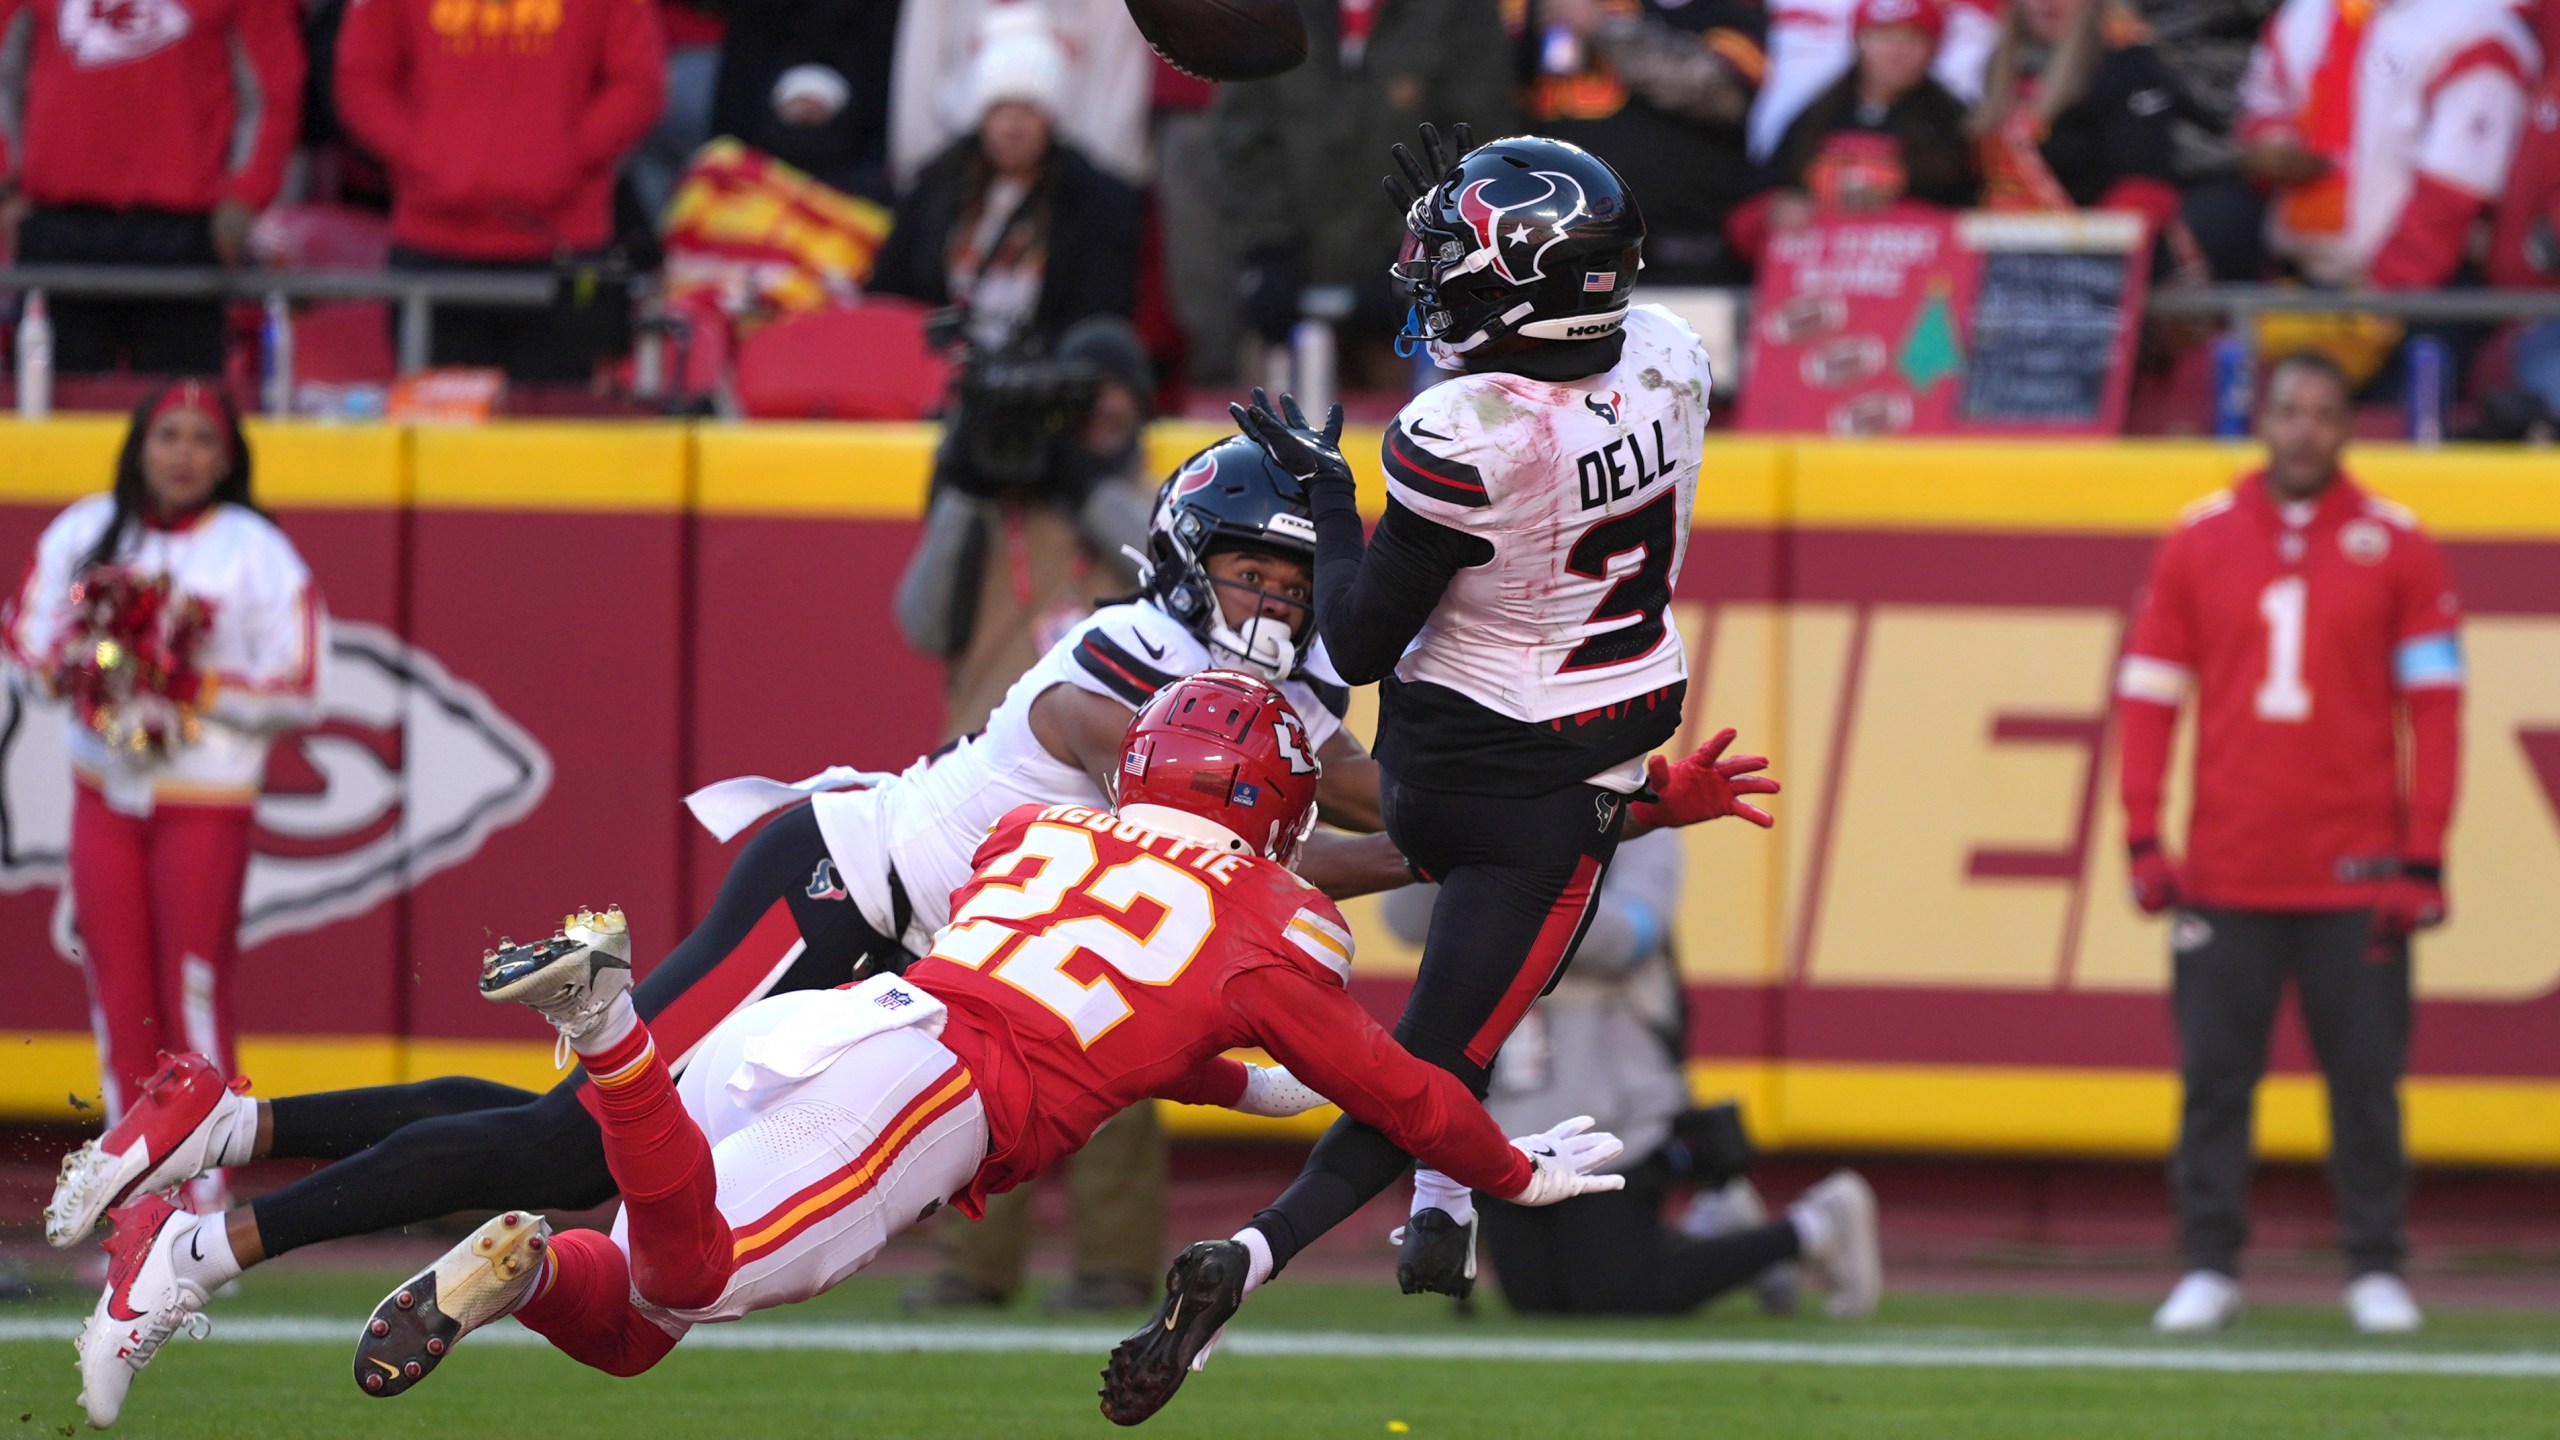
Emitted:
pixel 571 626
pixel 549 633
pixel 797 665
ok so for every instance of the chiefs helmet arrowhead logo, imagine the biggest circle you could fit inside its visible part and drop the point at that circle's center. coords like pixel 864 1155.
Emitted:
pixel 1493 208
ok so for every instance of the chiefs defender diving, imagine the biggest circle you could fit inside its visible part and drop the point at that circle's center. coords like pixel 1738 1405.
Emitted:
pixel 1095 959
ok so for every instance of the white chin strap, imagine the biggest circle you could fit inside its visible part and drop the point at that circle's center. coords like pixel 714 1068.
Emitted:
pixel 1264 646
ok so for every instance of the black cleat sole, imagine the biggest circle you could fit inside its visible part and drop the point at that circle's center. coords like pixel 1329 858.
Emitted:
pixel 1433 1258
pixel 1203 1290
pixel 416 1326
pixel 405 1340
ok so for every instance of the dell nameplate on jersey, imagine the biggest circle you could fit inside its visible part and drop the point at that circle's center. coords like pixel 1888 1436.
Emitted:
pixel 1604 474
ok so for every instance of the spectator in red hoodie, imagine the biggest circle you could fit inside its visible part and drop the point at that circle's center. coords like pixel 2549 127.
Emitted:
pixel 502 123
pixel 144 132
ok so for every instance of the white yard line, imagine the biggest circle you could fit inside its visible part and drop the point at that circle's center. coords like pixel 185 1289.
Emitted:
pixel 1347 1345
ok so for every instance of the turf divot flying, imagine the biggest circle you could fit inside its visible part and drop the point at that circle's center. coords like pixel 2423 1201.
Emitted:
pixel 1348 1345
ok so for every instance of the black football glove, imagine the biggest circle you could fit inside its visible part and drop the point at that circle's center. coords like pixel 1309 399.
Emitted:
pixel 1422 176
pixel 1314 456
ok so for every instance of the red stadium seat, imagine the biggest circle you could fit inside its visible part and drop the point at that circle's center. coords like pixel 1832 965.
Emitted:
pixel 335 341
pixel 863 362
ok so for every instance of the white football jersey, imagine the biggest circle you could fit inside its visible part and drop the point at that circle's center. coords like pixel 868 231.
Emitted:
pixel 928 821
pixel 1583 488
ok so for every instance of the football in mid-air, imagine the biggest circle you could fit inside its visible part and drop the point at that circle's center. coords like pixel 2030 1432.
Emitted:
pixel 1224 39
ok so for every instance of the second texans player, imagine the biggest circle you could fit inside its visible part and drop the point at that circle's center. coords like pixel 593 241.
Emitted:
pixel 1515 606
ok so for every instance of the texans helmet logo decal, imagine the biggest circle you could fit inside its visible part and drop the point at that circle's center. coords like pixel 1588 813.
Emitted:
pixel 1493 207
pixel 1195 476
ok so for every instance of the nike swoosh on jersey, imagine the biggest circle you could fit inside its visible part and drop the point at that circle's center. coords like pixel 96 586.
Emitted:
pixel 1123 674
pixel 1427 432
pixel 1434 477
pixel 1154 650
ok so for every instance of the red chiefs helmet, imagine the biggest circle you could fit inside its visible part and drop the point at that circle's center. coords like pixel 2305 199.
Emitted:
pixel 1226 748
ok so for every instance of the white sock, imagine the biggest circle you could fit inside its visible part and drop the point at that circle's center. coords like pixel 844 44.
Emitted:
pixel 542 1279
pixel 1435 1191
pixel 1813 1228
pixel 1259 1270
pixel 203 1258
pixel 609 1029
pixel 235 1137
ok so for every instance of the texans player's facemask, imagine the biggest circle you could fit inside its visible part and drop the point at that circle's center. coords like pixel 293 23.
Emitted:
pixel 1526 236
pixel 1275 621
pixel 1231 500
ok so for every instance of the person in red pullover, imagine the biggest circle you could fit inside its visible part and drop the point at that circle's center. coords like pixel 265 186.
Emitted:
pixel 143 132
pixel 502 124
pixel 2317 631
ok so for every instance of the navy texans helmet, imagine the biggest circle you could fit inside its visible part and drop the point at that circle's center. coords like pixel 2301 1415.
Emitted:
pixel 1525 236
pixel 1231 496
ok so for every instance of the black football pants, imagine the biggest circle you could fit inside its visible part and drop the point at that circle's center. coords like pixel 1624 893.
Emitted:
pixel 2231 972
pixel 1610 1254
pixel 406 1153
pixel 96 333
pixel 1517 879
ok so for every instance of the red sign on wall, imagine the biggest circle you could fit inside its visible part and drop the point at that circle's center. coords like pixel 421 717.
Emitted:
pixel 1920 322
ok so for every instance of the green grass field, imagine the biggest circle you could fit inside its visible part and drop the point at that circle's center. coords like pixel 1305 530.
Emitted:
pixel 1932 1366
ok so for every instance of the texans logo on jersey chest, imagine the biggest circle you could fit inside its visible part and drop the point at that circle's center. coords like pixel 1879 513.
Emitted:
pixel 1619 469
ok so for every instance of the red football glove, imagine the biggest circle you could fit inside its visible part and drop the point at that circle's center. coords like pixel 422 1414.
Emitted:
pixel 1703 787
pixel 2411 901
pixel 2151 878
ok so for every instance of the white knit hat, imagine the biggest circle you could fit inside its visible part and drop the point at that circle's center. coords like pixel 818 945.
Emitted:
pixel 1019 58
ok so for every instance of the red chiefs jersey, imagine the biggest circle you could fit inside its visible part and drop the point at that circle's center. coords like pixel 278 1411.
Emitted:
pixel 2302 632
pixel 1090 964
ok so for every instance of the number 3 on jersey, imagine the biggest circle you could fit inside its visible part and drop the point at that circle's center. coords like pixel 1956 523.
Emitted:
pixel 1642 594
pixel 1033 960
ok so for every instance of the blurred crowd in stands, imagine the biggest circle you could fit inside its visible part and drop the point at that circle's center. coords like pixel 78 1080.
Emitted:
pixel 802 181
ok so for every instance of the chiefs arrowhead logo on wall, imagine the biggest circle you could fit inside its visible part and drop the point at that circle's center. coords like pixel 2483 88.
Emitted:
pixel 408 773
pixel 110 32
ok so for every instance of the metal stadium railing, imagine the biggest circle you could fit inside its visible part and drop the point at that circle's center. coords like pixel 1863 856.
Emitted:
pixel 416 292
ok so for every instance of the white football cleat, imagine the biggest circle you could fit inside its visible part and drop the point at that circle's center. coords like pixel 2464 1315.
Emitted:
pixel 486 1276
pixel 571 979
pixel 2379 1304
pixel 166 1139
pixel 2203 1300
pixel 145 1303
pixel 1848 1261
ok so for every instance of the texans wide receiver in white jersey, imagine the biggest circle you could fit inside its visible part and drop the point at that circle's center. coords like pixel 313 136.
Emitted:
pixel 1582 488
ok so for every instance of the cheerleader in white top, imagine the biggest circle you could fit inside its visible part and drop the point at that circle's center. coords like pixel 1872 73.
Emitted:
pixel 182 631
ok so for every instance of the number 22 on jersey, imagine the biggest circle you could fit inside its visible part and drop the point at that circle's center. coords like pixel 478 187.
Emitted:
pixel 1149 951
